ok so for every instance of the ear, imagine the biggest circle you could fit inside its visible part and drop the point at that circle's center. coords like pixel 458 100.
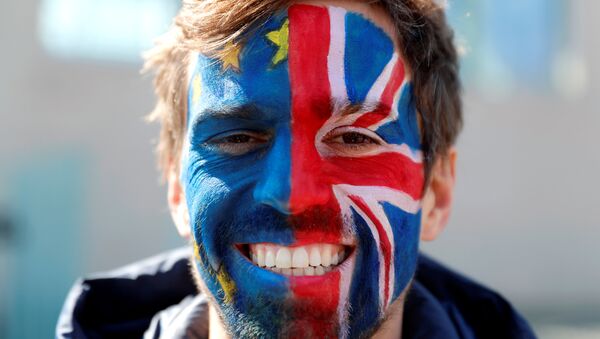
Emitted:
pixel 177 203
pixel 437 200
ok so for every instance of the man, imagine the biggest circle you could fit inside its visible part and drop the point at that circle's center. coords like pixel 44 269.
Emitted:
pixel 307 148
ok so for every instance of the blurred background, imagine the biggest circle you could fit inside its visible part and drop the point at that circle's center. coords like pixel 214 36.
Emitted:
pixel 79 191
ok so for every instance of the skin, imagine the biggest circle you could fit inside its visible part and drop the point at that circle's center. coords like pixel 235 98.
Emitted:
pixel 208 190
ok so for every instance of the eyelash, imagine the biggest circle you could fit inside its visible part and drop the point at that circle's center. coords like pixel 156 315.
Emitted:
pixel 340 139
pixel 238 143
pixel 339 135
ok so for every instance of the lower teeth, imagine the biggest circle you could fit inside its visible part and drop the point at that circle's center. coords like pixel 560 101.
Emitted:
pixel 306 271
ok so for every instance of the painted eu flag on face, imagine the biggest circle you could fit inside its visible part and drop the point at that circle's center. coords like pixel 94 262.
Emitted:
pixel 303 175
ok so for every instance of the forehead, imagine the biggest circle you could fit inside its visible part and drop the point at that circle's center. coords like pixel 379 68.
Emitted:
pixel 366 8
pixel 357 42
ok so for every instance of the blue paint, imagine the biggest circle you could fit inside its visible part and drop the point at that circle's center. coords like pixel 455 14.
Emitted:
pixel 263 301
pixel 406 231
pixel 364 291
pixel 241 198
pixel 244 197
pixel 274 188
pixel 257 83
pixel 364 58
pixel 406 128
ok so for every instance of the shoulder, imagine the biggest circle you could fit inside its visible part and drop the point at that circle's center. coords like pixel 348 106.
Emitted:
pixel 460 305
pixel 122 302
pixel 128 301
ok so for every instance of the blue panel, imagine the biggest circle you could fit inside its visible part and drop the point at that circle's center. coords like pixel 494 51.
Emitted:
pixel 364 291
pixel 406 228
pixel 406 123
pixel 364 59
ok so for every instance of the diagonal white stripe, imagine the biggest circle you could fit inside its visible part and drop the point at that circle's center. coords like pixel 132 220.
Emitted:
pixel 372 196
pixel 346 206
pixel 394 109
pixel 380 193
pixel 377 209
pixel 379 85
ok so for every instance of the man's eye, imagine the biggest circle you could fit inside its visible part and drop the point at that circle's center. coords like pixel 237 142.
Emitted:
pixel 352 136
pixel 357 138
pixel 238 143
pixel 237 139
pixel 352 141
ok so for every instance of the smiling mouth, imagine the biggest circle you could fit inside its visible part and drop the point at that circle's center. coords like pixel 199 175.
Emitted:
pixel 309 260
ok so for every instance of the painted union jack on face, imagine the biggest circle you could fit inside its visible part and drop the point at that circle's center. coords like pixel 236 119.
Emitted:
pixel 303 176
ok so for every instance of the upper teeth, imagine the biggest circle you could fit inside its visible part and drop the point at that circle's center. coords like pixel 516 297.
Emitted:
pixel 314 259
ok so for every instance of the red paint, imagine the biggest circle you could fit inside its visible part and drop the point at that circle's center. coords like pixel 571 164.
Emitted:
pixel 387 98
pixel 311 93
pixel 396 80
pixel 316 215
pixel 373 117
pixel 387 169
pixel 315 304
pixel 312 237
pixel 312 287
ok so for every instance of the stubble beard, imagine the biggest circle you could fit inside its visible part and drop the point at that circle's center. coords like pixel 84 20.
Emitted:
pixel 389 326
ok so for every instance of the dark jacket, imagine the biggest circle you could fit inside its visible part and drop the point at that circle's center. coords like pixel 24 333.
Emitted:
pixel 157 297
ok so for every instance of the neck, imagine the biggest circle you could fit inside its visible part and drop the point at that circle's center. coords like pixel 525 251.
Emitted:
pixel 390 328
pixel 392 325
pixel 216 330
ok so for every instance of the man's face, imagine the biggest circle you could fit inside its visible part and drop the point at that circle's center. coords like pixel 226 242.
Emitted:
pixel 303 175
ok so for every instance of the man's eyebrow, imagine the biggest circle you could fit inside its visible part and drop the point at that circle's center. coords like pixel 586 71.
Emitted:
pixel 228 112
pixel 344 107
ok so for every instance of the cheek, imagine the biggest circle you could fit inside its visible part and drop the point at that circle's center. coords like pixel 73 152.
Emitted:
pixel 212 184
pixel 389 170
pixel 203 202
pixel 385 260
pixel 406 232
pixel 207 196
pixel 380 198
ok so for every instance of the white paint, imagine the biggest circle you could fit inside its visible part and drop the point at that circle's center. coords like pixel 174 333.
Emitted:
pixel 372 196
pixel 335 59
pixel 379 85
pixel 346 271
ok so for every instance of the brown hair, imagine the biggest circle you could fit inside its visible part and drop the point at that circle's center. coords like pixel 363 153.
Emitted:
pixel 207 26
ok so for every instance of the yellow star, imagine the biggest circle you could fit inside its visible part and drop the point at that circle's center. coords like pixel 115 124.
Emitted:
pixel 197 252
pixel 196 89
pixel 231 59
pixel 227 284
pixel 280 39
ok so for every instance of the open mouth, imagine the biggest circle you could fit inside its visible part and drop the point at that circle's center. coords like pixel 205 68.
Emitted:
pixel 309 260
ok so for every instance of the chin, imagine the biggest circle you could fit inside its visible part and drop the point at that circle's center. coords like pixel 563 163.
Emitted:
pixel 309 286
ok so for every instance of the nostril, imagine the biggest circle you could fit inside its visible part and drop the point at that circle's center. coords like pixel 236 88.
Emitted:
pixel 281 206
pixel 273 194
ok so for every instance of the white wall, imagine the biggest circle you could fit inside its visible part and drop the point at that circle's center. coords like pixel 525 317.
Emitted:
pixel 526 218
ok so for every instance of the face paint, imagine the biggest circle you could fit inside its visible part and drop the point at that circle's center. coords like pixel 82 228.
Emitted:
pixel 304 136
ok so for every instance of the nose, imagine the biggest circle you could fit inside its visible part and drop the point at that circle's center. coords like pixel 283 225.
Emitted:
pixel 274 183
